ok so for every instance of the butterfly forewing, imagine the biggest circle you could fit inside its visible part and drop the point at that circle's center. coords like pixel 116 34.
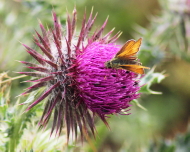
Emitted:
pixel 135 48
pixel 130 49
pixel 127 46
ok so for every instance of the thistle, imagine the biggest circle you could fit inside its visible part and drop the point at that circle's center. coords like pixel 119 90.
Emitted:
pixel 78 85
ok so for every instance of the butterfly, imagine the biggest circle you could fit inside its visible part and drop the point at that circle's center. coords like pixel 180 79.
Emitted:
pixel 126 58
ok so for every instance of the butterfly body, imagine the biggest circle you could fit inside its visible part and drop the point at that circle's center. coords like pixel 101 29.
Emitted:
pixel 116 63
pixel 126 58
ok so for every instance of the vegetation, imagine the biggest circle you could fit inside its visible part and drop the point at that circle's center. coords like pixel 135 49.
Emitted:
pixel 159 119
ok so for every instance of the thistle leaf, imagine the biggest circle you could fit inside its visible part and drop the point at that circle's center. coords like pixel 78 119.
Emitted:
pixel 149 79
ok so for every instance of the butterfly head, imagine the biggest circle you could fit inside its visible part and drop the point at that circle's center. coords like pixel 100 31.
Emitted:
pixel 108 64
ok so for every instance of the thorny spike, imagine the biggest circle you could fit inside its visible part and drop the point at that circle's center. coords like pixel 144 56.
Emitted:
pixel 90 123
pixel 43 123
pixel 68 49
pixel 26 92
pixel 67 115
pixel 79 124
pixel 42 79
pixel 106 37
pixel 75 125
pixel 115 37
pixel 37 85
pixel 42 28
pixel 57 27
pixel 90 18
pixel 98 34
pixel 34 87
pixel 28 63
pixel 44 95
pixel 69 29
pixel 41 69
pixel 51 108
pixel 60 115
pixel 52 64
pixel 35 54
pixel 74 21
pixel 54 120
pixel 61 126
pixel 47 53
pixel 44 33
pixel 90 23
pixel 56 40
pixel 35 39
pixel 45 44
pixel 33 74
pixel 81 35
pixel 72 117
pixel 58 47
pixel 104 120
pixel 84 128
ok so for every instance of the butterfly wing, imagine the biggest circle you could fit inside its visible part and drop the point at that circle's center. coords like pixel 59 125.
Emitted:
pixel 134 68
pixel 126 46
pixel 129 50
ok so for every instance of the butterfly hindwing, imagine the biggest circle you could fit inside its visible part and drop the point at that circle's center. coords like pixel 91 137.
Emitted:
pixel 134 68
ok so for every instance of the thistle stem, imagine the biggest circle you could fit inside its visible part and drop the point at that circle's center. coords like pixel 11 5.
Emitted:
pixel 14 78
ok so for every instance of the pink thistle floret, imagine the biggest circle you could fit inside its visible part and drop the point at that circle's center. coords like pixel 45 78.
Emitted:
pixel 78 85
pixel 105 91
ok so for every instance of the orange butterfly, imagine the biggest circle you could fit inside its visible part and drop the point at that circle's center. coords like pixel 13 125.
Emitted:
pixel 126 58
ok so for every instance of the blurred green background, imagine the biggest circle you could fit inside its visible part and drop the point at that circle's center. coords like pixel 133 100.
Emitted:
pixel 165 28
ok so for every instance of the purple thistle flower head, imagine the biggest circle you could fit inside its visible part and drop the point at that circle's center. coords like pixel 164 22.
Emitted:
pixel 78 85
